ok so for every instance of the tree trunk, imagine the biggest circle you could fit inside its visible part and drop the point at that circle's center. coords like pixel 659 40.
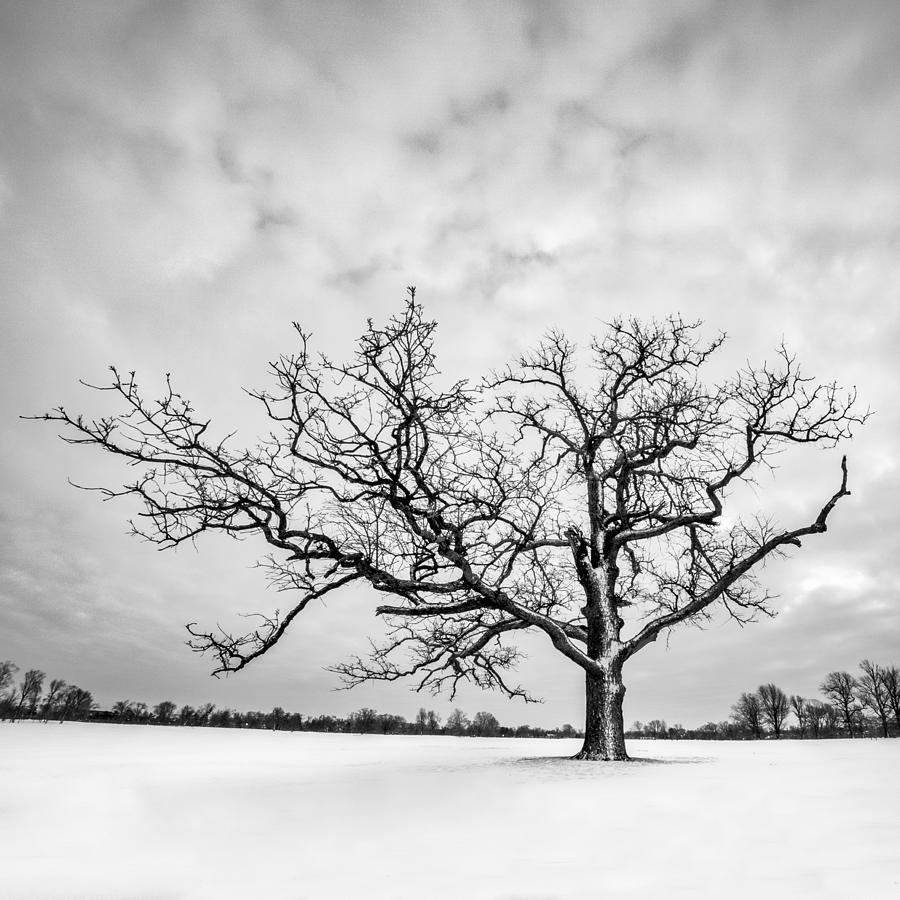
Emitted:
pixel 604 727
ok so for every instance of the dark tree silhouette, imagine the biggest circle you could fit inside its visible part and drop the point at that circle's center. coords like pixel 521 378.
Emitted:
pixel 873 693
pixel 164 712
pixel 774 705
pixel 8 671
pixel 389 723
pixel 800 709
pixel 840 688
pixel 76 703
pixel 124 710
pixel 656 728
pixel 427 720
pixel 53 698
pixel 551 496
pixel 364 720
pixel 434 721
pixel 817 716
pixel 29 692
pixel 203 713
pixel 890 678
pixel 457 722
pixel 485 724
pixel 747 713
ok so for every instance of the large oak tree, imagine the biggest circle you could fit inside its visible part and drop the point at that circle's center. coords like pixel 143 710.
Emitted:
pixel 580 498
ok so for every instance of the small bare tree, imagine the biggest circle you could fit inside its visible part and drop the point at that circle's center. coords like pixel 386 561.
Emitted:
pixel 890 678
pixel 29 692
pixel 164 712
pixel 840 688
pixel 774 705
pixel 434 721
pixel 656 728
pixel 77 703
pixel 873 693
pixel 364 720
pixel 800 708
pixel 747 713
pixel 817 714
pixel 8 671
pixel 123 710
pixel 457 722
pixel 53 697
pixel 553 496
pixel 204 713
pixel 485 724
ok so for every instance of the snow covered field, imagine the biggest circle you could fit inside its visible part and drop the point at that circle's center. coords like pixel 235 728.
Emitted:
pixel 137 812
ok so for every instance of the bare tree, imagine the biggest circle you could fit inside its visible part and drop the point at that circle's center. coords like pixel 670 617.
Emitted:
pixel 164 712
pixel 457 722
pixel 53 697
pixel 817 716
pixel 226 718
pixel 873 693
pixel 77 703
pixel 800 708
pixel 8 671
pixel 551 496
pixel 840 688
pixel 747 713
pixel 832 718
pixel 29 692
pixel 364 720
pixel 390 723
pixel 485 724
pixel 729 729
pixel 124 710
pixel 890 678
pixel 427 721
pixel 656 728
pixel 203 713
pixel 774 705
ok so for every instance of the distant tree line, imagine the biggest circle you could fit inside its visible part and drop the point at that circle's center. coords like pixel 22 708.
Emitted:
pixel 863 706
pixel 27 700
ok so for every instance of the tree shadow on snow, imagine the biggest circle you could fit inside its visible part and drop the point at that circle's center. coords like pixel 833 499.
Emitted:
pixel 566 767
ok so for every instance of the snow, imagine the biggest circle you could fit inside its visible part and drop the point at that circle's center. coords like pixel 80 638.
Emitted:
pixel 140 812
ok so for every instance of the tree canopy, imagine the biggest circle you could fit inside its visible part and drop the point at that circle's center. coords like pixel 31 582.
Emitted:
pixel 564 493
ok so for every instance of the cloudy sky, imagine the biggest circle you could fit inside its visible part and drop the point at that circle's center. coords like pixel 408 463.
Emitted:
pixel 180 181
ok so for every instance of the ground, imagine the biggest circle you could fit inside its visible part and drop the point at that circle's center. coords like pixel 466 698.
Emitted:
pixel 150 813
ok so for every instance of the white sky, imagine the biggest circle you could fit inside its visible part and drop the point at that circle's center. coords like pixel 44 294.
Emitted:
pixel 178 182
